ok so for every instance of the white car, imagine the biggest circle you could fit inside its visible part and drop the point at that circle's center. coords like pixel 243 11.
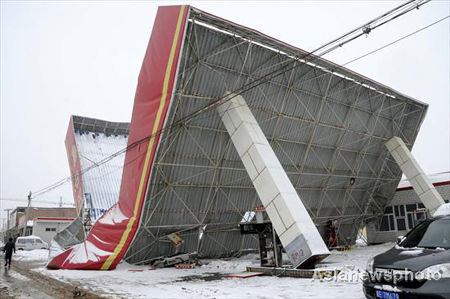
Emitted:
pixel 30 243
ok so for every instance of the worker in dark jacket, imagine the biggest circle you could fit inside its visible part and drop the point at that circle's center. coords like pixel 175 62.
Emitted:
pixel 8 250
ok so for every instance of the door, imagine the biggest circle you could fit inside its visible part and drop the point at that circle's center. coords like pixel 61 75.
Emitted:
pixel 29 244
pixel 39 244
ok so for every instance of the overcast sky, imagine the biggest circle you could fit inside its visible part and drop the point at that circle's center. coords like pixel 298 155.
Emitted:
pixel 83 58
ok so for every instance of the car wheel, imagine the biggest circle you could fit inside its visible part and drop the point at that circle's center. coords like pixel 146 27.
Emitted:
pixel 20 249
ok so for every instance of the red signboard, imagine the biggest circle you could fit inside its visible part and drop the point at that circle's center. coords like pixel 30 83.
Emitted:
pixel 113 233
pixel 75 167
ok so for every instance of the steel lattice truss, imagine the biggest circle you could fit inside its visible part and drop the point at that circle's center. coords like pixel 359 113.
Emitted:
pixel 327 126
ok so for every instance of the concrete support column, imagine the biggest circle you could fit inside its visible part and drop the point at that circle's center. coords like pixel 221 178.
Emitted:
pixel 289 217
pixel 412 170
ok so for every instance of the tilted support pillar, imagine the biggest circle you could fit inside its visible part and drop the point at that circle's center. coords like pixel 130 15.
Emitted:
pixel 412 170
pixel 289 217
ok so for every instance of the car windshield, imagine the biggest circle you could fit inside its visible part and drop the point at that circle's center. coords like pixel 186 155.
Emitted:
pixel 429 234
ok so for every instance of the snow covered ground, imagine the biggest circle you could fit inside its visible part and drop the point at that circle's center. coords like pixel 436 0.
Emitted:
pixel 37 255
pixel 211 281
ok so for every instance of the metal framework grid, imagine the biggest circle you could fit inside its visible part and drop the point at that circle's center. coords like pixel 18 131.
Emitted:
pixel 88 124
pixel 326 124
pixel 95 140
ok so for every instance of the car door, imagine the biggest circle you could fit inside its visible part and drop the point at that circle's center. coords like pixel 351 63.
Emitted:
pixel 39 244
pixel 20 244
pixel 32 244
pixel 28 244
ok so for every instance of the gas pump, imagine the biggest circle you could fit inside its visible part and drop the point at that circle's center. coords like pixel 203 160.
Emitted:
pixel 269 244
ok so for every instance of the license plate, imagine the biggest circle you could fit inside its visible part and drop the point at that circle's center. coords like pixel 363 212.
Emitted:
pixel 387 295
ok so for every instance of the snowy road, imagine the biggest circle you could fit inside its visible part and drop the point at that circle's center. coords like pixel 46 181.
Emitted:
pixel 25 281
pixel 210 281
pixel 15 285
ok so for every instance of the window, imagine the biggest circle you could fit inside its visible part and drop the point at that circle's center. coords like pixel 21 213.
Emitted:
pixel 401 224
pixel 391 222
pixel 38 241
pixel 420 216
pixel 410 221
pixel 399 210
pixel 411 207
pixel 384 225
pixel 400 217
pixel 429 234
pixel 50 229
pixel 387 221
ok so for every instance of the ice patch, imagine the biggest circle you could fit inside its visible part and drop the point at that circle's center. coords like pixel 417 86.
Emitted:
pixel 113 216
pixel 85 252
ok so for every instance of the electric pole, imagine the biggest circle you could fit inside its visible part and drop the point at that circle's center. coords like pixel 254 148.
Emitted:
pixel 7 219
pixel 26 215
pixel 60 202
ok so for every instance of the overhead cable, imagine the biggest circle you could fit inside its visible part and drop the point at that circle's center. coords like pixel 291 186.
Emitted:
pixel 324 49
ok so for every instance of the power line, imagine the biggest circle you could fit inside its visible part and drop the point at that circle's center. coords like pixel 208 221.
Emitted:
pixel 404 8
pixel 325 49
pixel 35 201
pixel 397 40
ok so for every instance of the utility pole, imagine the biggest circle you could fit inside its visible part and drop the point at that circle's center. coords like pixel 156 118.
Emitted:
pixel 26 215
pixel 60 202
pixel 7 219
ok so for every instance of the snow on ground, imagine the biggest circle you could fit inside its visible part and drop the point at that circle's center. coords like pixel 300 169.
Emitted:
pixel 31 255
pixel 210 281
pixel 18 276
pixel 442 210
pixel 357 257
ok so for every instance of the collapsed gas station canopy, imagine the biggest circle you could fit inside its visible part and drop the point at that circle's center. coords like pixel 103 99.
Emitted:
pixel 326 124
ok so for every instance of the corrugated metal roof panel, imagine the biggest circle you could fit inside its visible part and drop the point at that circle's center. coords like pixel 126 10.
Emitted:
pixel 326 126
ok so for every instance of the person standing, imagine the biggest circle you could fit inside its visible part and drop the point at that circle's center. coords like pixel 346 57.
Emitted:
pixel 8 250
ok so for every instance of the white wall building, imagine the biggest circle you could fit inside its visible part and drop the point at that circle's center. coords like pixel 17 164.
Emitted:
pixel 405 210
pixel 48 227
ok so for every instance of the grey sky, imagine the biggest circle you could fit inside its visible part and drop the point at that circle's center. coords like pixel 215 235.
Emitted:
pixel 83 58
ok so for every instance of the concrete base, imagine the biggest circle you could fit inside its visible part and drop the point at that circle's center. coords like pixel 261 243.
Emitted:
pixel 298 273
